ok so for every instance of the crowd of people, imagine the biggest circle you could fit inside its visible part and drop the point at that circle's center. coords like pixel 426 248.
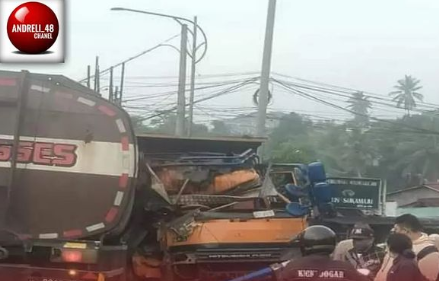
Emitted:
pixel 409 254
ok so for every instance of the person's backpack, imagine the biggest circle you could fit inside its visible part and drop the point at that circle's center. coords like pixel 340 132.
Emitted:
pixel 425 252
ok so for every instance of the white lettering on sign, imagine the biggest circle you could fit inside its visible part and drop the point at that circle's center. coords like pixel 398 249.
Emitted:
pixel 353 182
pixel 306 273
pixel 339 274
pixel 362 201
pixel 332 274
pixel 357 201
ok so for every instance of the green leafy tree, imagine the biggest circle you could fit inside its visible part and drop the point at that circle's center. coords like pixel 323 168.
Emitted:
pixel 139 125
pixel 298 151
pixel 165 123
pixel 357 153
pixel 406 93
pixel 360 105
pixel 220 128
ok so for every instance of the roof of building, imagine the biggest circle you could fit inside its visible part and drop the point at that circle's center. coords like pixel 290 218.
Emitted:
pixel 433 186
pixel 423 202
pixel 426 212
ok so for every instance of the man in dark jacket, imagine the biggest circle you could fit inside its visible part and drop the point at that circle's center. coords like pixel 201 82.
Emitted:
pixel 365 253
pixel 316 244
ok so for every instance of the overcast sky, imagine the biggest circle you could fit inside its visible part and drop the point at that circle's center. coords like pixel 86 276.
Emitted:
pixel 363 44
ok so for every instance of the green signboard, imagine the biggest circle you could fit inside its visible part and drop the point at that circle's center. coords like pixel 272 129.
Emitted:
pixel 355 193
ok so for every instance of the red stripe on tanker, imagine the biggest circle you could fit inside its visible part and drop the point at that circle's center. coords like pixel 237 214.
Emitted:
pixel 125 143
pixel 123 181
pixel 72 233
pixel 107 111
pixel 8 82
pixel 111 215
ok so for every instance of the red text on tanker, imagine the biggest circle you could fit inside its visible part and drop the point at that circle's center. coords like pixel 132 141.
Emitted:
pixel 40 153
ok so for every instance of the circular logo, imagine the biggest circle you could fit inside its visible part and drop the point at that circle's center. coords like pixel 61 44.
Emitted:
pixel 348 193
pixel 33 28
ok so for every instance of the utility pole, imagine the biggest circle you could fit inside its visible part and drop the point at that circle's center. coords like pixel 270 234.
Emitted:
pixel 116 95
pixel 181 102
pixel 121 83
pixel 110 91
pixel 265 72
pixel 193 66
pixel 88 76
pixel 96 85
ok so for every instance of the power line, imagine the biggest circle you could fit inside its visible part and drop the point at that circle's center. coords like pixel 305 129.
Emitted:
pixel 350 90
pixel 323 90
pixel 306 95
pixel 132 58
pixel 200 76
pixel 229 90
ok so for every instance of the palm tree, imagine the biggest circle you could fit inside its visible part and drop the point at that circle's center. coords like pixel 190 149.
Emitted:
pixel 359 104
pixel 406 93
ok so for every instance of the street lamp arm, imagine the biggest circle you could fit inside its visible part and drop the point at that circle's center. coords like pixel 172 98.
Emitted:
pixel 171 46
pixel 151 13
pixel 204 53
pixel 176 18
pixel 180 23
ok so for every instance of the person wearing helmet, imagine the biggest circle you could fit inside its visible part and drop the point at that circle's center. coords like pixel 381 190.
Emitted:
pixel 365 254
pixel 316 245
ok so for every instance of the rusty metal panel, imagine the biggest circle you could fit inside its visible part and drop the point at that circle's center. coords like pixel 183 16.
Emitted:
pixel 171 144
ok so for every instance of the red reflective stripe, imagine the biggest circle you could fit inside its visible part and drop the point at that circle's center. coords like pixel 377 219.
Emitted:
pixel 8 81
pixel 24 236
pixel 64 95
pixel 72 233
pixel 106 110
pixel 125 143
pixel 123 181
pixel 111 215
pixel 90 276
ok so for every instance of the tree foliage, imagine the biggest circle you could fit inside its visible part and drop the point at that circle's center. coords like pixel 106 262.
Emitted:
pixel 360 105
pixel 406 93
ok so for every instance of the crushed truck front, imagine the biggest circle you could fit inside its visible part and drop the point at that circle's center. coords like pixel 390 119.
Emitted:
pixel 225 216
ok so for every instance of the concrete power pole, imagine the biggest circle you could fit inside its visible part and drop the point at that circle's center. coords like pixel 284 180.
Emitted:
pixel 193 65
pixel 181 103
pixel 265 73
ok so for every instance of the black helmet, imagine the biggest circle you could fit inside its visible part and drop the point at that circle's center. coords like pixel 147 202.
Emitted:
pixel 317 239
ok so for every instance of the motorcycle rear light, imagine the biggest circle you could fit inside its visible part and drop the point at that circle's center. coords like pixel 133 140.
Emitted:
pixel 84 256
pixel 72 256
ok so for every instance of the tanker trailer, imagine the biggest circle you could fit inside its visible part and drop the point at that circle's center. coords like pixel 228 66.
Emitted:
pixel 67 168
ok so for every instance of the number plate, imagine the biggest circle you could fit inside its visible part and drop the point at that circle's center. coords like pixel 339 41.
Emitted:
pixel 264 214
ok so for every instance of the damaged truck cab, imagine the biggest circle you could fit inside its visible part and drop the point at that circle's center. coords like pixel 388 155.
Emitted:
pixel 227 212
